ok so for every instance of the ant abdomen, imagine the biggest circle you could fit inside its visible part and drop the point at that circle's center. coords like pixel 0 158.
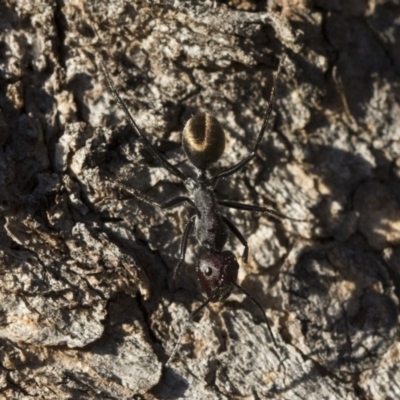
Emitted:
pixel 217 273
pixel 203 140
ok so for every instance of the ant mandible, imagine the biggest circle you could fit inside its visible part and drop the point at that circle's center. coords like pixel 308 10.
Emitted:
pixel 203 140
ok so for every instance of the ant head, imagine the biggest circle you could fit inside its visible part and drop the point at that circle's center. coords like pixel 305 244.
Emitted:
pixel 217 273
pixel 203 140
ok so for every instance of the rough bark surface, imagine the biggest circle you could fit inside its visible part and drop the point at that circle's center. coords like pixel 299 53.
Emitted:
pixel 87 305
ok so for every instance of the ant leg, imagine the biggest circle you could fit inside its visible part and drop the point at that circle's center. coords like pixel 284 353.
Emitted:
pixel 256 302
pixel 189 320
pixel 156 154
pixel 239 236
pixel 259 306
pixel 242 163
pixel 250 207
pixel 175 201
pixel 182 254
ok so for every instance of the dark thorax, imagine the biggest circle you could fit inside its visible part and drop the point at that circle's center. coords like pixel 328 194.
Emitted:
pixel 209 227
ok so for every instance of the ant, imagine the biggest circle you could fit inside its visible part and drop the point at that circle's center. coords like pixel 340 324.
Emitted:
pixel 203 140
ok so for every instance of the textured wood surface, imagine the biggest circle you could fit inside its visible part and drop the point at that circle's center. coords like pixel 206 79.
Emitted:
pixel 87 305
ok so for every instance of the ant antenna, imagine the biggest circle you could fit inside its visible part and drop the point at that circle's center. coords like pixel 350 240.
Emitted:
pixel 188 321
pixel 203 305
pixel 259 306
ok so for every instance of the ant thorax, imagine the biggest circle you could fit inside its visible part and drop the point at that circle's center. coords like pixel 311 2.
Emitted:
pixel 210 230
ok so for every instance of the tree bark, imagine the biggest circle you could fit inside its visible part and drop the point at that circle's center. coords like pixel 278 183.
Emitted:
pixel 88 308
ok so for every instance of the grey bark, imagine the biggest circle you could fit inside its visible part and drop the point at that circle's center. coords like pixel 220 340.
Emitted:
pixel 87 305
